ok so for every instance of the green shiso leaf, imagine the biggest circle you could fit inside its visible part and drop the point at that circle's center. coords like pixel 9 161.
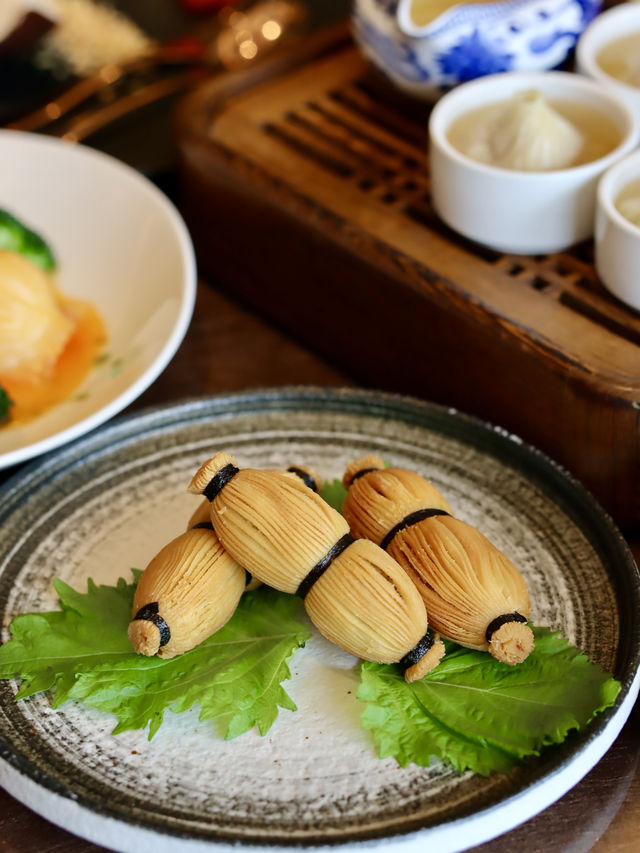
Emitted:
pixel 334 493
pixel 472 711
pixel 5 405
pixel 479 714
pixel 48 650
pixel 17 237
pixel 82 652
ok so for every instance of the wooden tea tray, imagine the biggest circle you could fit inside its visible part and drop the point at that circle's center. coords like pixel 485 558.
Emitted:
pixel 306 188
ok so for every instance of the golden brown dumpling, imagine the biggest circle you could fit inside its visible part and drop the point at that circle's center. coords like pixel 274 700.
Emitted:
pixel 473 593
pixel 33 325
pixel 189 590
pixel 286 535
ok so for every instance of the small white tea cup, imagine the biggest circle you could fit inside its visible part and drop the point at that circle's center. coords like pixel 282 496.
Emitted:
pixel 611 25
pixel 617 239
pixel 529 213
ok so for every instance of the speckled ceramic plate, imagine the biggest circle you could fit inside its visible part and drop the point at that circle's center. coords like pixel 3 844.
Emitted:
pixel 109 501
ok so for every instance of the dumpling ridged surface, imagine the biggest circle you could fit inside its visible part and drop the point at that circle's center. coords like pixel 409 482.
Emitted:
pixel 288 537
pixel 479 585
pixel 369 604
pixel 526 133
pixel 193 585
pixel 473 593
pixel 271 522
pixel 532 136
pixel 382 500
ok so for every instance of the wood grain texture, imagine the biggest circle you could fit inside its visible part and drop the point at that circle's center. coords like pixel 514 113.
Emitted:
pixel 228 348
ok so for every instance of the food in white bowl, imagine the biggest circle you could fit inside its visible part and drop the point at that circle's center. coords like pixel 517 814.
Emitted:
pixel 526 210
pixel 48 342
pixel 617 235
pixel 530 133
pixel 621 59
pixel 609 51
pixel 628 202
pixel 120 247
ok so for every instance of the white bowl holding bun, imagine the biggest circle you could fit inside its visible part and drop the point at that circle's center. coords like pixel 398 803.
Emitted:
pixel 617 239
pixel 522 212
pixel 121 246
pixel 617 23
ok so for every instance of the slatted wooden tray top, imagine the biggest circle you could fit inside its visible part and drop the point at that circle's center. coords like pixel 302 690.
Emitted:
pixel 354 163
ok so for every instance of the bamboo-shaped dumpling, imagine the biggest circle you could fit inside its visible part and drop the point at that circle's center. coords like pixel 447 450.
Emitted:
pixel 292 540
pixel 202 518
pixel 473 593
pixel 189 590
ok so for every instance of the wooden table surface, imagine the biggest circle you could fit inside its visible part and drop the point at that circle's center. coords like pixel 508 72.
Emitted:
pixel 228 349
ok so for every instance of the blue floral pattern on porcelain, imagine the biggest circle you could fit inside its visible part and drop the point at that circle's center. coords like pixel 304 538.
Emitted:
pixel 468 41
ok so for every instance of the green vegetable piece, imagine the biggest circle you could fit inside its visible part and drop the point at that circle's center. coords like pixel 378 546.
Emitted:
pixel 16 237
pixel 82 652
pixel 5 404
pixel 479 714
pixel 334 493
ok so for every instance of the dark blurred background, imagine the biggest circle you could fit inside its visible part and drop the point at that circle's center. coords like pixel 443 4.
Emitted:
pixel 143 138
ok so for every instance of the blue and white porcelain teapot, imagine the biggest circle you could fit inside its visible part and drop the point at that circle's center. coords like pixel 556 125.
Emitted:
pixel 427 46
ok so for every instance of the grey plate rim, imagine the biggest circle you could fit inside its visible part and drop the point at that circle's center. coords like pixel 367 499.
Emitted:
pixel 509 448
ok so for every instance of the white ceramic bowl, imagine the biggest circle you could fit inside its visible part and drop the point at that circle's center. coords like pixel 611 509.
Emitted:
pixel 528 213
pixel 121 245
pixel 615 23
pixel 617 240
